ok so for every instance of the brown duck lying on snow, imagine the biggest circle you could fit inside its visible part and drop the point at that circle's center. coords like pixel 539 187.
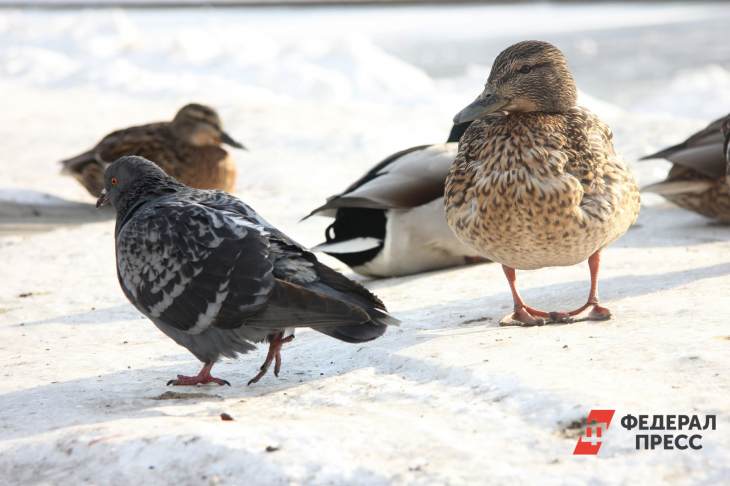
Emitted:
pixel 697 180
pixel 187 148
pixel 536 182
pixel 391 221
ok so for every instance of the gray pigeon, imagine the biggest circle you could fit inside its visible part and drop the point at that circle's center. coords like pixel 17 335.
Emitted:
pixel 215 277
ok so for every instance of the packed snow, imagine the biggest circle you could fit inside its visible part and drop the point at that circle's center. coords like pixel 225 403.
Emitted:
pixel 319 96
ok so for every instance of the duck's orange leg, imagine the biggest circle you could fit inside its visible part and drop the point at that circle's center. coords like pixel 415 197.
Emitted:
pixel 598 312
pixel 523 313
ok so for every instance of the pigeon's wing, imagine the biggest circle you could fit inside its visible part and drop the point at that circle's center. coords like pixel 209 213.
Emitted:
pixel 190 266
pixel 702 151
pixel 224 201
pixel 295 268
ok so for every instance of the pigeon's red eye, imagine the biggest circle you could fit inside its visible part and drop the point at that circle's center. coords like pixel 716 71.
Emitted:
pixel 114 181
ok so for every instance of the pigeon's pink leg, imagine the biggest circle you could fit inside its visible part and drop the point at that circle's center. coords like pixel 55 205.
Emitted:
pixel 276 341
pixel 201 378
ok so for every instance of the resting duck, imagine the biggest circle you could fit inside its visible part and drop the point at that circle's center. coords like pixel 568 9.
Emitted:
pixel 391 221
pixel 536 182
pixel 187 148
pixel 697 180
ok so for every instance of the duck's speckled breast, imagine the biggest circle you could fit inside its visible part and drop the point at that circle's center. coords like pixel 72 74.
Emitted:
pixel 208 167
pixel 535 190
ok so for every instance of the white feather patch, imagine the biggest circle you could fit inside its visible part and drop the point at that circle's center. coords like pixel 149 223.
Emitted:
pixel 205 319
pixel 168 298
pixel 354 245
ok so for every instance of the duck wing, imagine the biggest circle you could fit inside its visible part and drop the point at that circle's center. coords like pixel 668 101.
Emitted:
pixel 702 151
pixel 406 179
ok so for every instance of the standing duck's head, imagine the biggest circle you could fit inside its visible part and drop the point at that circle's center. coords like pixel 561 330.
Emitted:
pixel 527 76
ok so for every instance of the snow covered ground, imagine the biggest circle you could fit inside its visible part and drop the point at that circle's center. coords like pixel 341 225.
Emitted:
pixel 319 96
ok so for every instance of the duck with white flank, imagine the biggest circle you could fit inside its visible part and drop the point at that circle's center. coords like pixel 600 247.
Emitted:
pixel 391 221
pixel 536 182
pixel 215 277
pixel 188 148
pixel 697 180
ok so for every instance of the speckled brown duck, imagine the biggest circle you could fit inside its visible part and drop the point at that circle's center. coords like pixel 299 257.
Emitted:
pixel 536 182
pixel 697 180
pixel 187 148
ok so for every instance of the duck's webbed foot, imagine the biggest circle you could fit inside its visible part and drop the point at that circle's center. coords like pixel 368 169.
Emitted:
pixel 597 313
pixel 522 317
pixel 527 316
pixel 276 341
pixel 523 314
pixel 202 378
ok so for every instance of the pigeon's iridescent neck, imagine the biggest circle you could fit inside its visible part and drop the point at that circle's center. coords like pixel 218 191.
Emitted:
pixel 140 194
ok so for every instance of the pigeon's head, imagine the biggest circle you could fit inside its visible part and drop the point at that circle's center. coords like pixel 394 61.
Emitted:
pixel 201 126
pixel 131 178
pixel 528 76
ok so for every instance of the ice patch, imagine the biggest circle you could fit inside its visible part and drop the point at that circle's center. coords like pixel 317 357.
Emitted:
pixel 115 51
pixel 702 93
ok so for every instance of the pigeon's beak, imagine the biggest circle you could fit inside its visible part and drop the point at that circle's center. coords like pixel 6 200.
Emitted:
pixel 103 199
pixel 228 140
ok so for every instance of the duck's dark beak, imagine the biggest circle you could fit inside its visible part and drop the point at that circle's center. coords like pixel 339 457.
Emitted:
pixel 103 199
pixel 228 140
pixel 486 103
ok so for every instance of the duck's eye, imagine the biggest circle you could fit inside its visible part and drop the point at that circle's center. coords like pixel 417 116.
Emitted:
pixel 114 181
pixel 525 69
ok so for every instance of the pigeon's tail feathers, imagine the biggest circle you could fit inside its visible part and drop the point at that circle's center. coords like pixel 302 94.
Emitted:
pixel 376 327
pixel 333 283
pixel 334 305
pixel 292 305
pixel 75 164
pixel 355 334
pixel 337 285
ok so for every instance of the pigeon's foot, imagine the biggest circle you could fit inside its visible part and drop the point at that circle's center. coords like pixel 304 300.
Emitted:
pixel 202 378
pixel 276 341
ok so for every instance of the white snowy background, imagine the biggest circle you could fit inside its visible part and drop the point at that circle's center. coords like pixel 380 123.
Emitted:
pixel 319 95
